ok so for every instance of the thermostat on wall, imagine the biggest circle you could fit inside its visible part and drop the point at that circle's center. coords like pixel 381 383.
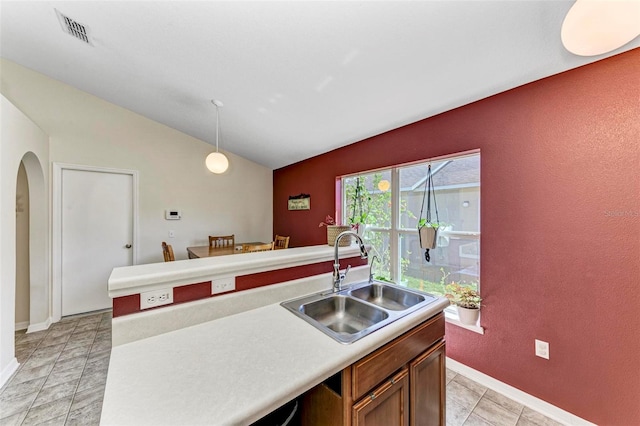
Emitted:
pixel 172 214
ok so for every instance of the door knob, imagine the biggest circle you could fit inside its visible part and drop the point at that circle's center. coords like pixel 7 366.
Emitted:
pixel 128 246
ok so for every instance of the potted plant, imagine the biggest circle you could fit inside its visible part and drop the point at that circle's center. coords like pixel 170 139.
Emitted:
pixel 466 300
pixel 334 230
pixel 359 199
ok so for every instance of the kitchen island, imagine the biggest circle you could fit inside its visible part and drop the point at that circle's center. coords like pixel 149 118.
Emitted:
pixel 237 368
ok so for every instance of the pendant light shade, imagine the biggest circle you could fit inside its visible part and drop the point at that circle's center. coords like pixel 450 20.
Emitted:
pixel 217 162
pixel 595 27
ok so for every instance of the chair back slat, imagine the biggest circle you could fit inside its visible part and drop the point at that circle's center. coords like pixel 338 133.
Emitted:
pixel 222 241
pixel 281 242
pixel 167 252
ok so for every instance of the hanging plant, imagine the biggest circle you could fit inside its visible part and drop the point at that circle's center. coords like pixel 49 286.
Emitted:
pixel 428 229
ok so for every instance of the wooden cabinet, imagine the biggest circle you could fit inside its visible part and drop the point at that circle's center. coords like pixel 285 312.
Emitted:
pixel 401 383
pixel 427 377
pixel 387 405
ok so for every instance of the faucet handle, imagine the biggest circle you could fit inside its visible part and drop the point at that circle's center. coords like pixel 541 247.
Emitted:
pixel 346 271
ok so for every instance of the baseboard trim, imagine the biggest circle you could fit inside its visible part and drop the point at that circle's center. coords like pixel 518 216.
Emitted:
pixel 22 325
pixel 8 371
pixel 40 326
pixel 517 395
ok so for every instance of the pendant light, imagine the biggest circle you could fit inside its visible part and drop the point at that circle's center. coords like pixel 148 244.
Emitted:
pixel 217 162
pixel 595 27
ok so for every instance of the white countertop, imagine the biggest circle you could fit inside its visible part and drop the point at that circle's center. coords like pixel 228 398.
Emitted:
pixel 135 279
pixel 233 370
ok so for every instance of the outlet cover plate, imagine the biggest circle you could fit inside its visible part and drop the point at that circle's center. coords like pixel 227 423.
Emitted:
pixel 151 299
pixel 542 349
pixel 223 284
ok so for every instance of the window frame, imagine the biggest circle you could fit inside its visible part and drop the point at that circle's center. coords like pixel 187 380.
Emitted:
pixel 396 231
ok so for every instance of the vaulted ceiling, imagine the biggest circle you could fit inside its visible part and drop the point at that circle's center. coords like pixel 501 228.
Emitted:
pixel 297 78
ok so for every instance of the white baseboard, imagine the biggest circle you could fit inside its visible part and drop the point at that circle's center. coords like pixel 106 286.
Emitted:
pixel 8 371
pixel 517 395
pixel 40 326
pixel 22 325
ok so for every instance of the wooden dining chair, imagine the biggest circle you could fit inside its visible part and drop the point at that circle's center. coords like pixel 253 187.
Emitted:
pixel 223 241
pixel 249 248
pixel 280 242
pixel 167 252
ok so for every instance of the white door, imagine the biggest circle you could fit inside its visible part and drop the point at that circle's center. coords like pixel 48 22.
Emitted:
pixel 97 234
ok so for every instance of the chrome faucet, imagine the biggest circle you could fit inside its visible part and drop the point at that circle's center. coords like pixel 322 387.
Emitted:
pixel 338 277
pixel 373 259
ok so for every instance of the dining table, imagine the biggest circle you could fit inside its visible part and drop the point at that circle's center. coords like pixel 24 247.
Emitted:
pixel 208 251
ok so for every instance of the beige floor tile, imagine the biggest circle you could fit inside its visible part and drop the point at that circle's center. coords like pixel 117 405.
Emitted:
pixel 25 373
pixel 536 418
pixel 462 395
pixel 503 401
pixel 494 413
pixel 456 413
pixel 467 382
pixel 11 391
pixel 475 420
pixel 63 376
pixel 14 419
pixel 74 352
pixel 53 393
pixel 48 411
pixel 88 415
pixel 16 405
pixel 450 375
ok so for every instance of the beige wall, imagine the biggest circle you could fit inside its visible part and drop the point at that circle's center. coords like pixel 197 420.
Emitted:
pixel 86 130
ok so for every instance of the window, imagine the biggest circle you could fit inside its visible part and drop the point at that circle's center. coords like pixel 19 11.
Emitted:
pixel 392 205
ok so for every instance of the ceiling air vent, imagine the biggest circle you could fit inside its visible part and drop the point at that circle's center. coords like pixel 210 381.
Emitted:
pixel 73 28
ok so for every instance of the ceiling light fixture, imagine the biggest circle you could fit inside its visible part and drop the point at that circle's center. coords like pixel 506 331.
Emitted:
pixel 384 185
pixel 217 162
pixel 595 27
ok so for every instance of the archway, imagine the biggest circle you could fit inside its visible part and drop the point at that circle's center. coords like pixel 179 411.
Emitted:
pixel 39 288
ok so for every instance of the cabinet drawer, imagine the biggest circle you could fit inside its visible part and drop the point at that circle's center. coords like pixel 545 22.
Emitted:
pixel 379 365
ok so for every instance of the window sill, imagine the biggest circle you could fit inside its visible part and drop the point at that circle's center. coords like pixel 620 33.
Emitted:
pixel 451 316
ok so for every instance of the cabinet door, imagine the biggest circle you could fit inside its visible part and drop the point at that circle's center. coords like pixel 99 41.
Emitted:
pixel 387 405
pixel 427 377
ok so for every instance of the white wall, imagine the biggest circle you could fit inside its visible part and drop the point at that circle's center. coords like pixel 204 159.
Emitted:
pixel 22 249
pixel 89 131
pixel 21 140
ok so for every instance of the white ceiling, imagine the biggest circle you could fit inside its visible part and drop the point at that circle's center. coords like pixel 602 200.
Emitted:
pixel 297 78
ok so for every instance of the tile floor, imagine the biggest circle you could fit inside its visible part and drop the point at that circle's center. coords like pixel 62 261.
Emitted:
pixel 63 372
pixel 471 404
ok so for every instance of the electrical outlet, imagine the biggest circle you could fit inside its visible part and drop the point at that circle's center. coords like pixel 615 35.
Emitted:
pixel 223 285
pixel 542 349
pixel 151 299
pixel 172 234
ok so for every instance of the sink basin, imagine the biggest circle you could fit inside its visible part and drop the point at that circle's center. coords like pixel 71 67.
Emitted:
pixel 358 310
pixel 388 297
pixel 343 314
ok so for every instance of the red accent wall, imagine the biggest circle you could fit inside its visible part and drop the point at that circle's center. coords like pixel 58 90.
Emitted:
pixel 560 171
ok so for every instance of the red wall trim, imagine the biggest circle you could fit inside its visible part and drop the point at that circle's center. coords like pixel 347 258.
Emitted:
pixel 188 293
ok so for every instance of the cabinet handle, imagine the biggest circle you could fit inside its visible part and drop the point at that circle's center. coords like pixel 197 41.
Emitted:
pixel 393 380
pixel 372 395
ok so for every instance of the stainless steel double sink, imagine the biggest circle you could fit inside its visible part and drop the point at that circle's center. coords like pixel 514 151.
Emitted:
pixel 359 309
